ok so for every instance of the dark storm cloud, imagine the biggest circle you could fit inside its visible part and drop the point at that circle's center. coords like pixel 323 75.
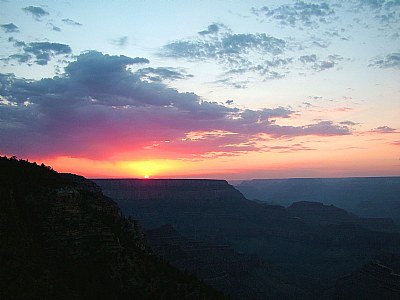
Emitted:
pixel 71 22
pixel 306 14
pixel 391 60
pixel 38 52
pixel 36 11
pixel 10 27
pixel 98 108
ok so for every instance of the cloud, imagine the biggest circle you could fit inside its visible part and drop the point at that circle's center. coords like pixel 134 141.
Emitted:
pixel 299 13
pixel 21 58
pixel 121 42
pixel 38 52
pixel 212 29
pixel 385 11
pixel 237 53
pixel 36 11
pixel 227 45
pixel 349 123
pixel 231 83
pixel 99 108
pixel 54 27
pixel 71 22
pixel 308 58
pixel 383 129
pixel 391 60
pixel 161 73
pixel 10 27
pixel 320 65
pixel 243 54
pixel 290 148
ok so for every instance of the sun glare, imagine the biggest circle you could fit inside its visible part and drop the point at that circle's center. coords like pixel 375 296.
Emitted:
pixel 150 168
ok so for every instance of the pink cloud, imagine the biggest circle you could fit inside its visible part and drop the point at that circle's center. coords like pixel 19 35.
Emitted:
pixel 99 109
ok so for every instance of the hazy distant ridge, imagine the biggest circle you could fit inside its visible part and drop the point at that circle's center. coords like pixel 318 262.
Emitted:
pixel 364 196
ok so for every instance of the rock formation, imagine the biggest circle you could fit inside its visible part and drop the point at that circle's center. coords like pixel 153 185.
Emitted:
pixel 61 238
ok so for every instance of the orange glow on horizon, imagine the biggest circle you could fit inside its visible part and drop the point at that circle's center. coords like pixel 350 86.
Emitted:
pixel 369 157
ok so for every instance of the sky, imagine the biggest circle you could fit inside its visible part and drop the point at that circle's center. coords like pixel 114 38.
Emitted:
pixel 202 89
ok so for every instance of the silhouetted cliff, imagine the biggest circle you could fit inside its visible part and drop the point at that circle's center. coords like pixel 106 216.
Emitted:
pixel 61 238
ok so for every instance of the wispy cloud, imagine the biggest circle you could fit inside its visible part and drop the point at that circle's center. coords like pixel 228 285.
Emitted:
pixel 391 60
pixel 299 13
pixel 349 123
pixel 237 53
pixel 312 58
pixel 213 29
pixel 162 73
pixel 54 27
pixel 38 52
pixel 36 11
pixel 71 22
pixel 10 27
pixel 318 64
pixel 121 42
pixel 384 129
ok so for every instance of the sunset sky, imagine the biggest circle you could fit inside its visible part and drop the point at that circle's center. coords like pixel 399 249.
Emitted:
pixel 213 89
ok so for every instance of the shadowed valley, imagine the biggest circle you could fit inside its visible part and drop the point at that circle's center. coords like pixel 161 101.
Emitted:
pixel 301 250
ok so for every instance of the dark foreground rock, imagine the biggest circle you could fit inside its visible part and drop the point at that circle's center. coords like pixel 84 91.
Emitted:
pixel 61 238
pixel 373 281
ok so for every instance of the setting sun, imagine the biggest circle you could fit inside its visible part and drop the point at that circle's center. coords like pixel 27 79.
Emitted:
pixel 149 168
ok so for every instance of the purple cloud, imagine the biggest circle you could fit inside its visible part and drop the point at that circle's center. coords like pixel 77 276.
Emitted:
pixel 383 129
pixel 98 108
